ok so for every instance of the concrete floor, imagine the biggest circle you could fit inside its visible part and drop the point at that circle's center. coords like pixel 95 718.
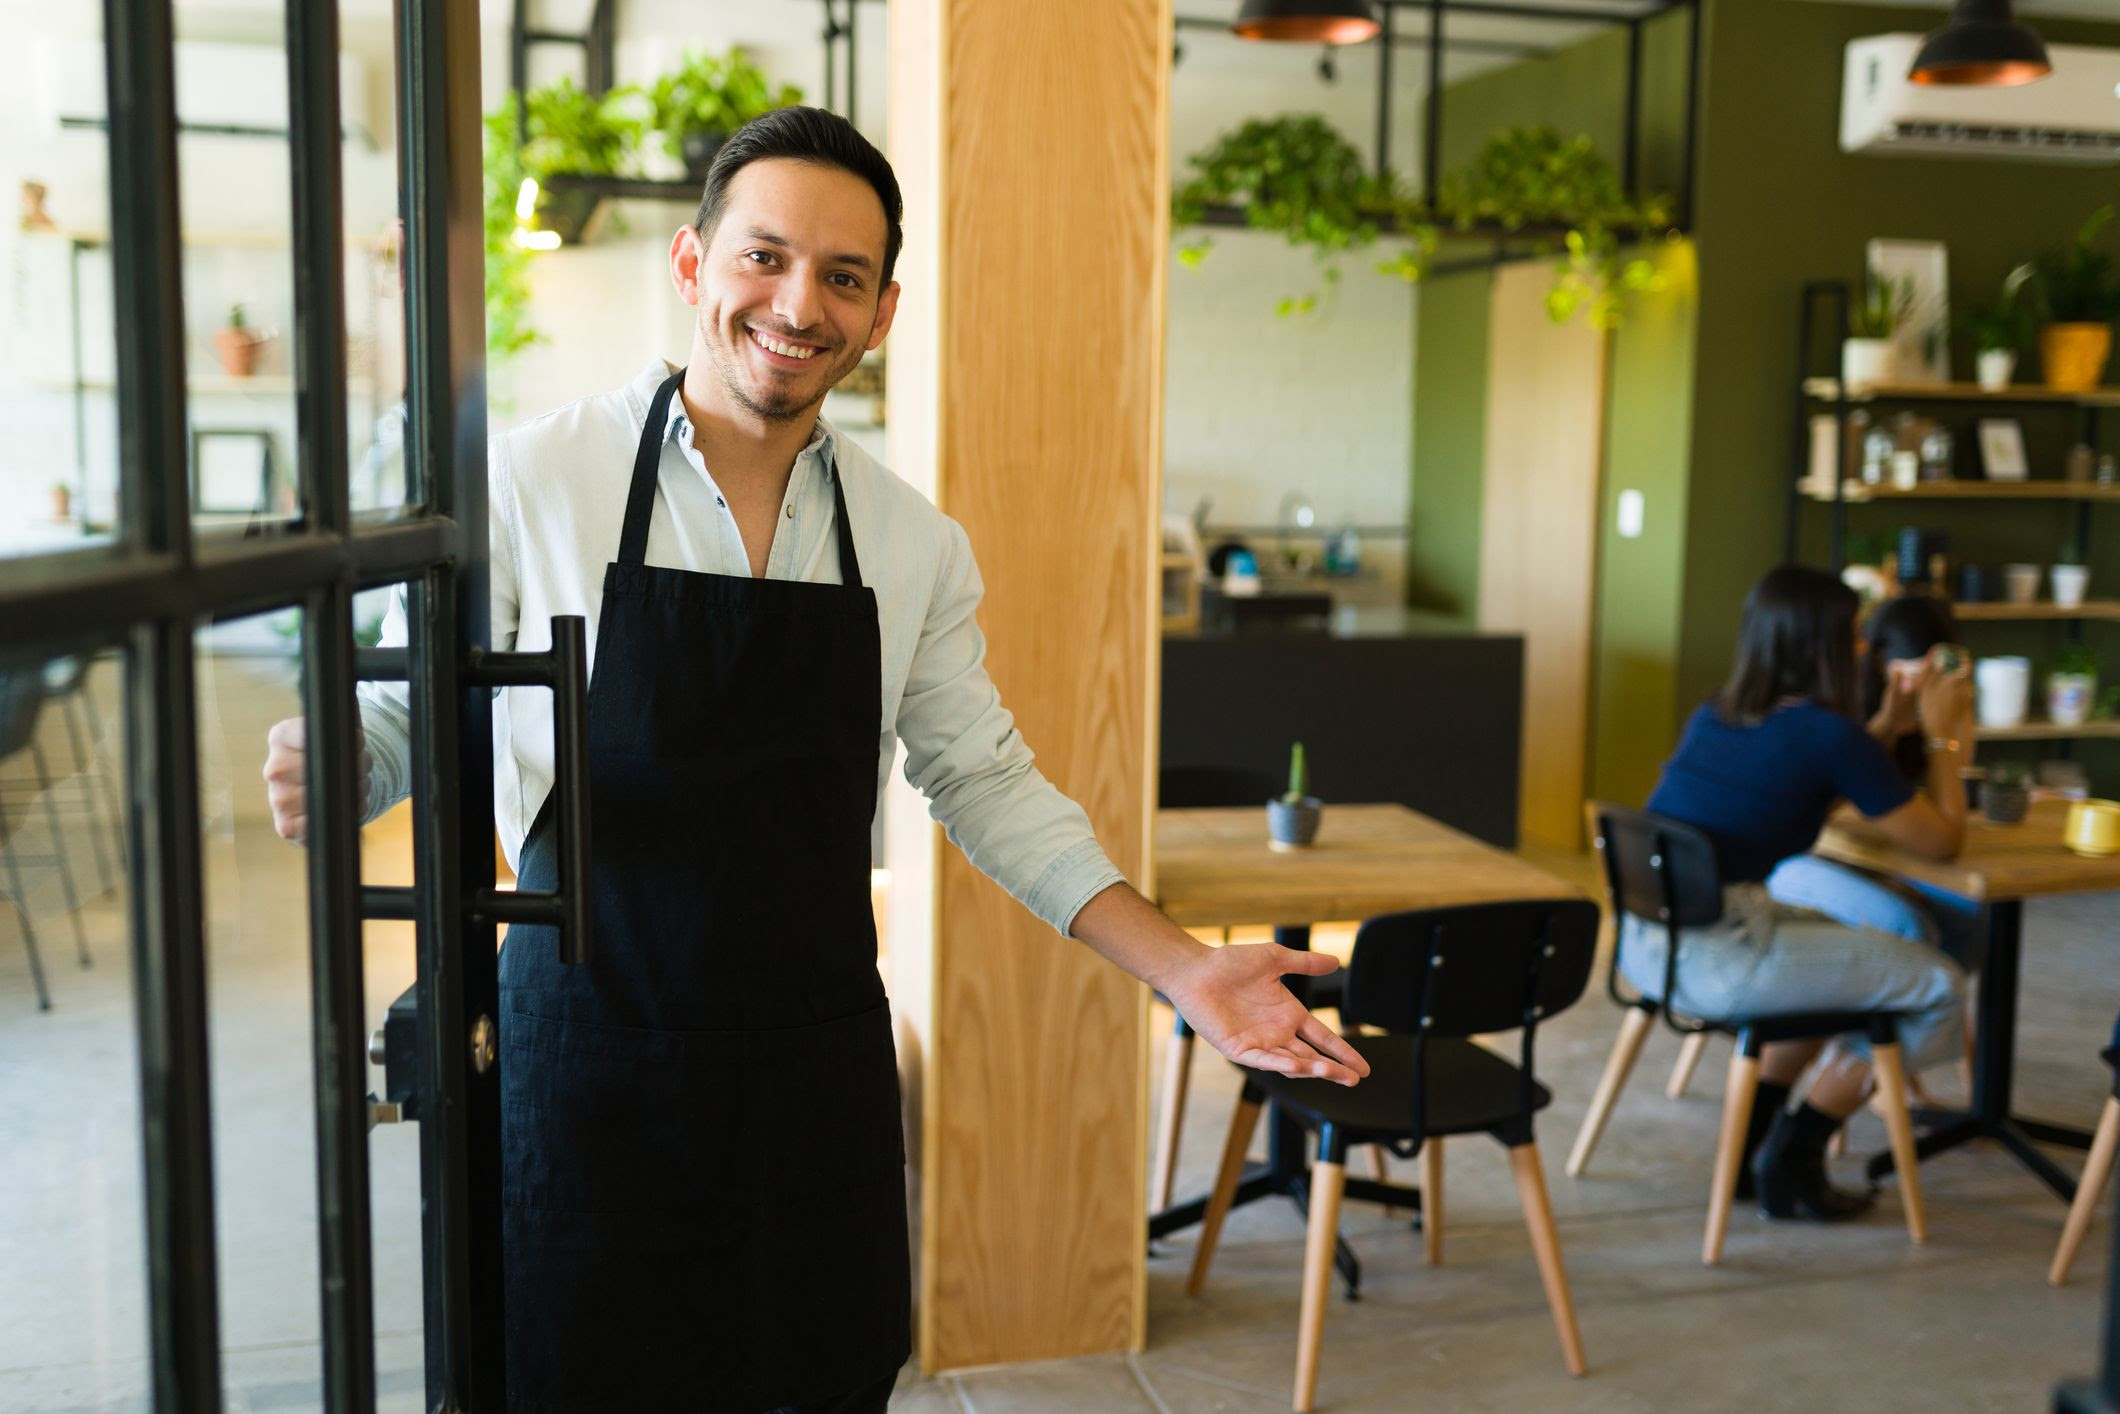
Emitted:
pixel 1798 1316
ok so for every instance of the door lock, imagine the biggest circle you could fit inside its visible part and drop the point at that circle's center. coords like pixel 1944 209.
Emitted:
pixel 485 1044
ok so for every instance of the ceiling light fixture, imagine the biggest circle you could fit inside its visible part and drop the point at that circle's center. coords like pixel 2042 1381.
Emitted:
pixel 1308 21
pixel 1982 44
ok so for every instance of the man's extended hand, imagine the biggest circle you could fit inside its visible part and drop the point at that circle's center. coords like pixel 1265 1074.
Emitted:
pixel 1234 997
pixel 287 776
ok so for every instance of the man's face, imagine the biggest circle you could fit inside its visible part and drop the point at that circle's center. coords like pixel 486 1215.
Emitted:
pixel 789 285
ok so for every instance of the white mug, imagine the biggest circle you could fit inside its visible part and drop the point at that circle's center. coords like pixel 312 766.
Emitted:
pixel 2002 689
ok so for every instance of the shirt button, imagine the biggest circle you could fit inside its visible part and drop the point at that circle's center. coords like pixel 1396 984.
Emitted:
pixel 791 513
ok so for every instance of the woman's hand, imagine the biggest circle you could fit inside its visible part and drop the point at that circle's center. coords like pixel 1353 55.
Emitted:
pixel 1899 713
pixel 1945 698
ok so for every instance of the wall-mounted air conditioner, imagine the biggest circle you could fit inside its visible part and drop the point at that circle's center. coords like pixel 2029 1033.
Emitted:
pixel 231 90
pixel 2071 115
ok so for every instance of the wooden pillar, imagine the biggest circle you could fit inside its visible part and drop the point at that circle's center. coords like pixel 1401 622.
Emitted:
pixel 1026 375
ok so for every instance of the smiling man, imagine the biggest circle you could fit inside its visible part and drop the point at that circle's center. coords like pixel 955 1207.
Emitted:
pixel 704 1187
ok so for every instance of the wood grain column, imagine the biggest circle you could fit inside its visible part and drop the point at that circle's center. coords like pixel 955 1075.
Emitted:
pixel 1032 141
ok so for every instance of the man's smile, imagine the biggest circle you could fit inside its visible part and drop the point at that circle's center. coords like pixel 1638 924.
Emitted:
pixel 781 348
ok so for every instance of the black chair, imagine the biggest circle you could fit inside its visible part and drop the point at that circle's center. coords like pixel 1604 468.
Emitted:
pixel 2097 1169
pixel 1664 872
pixel 21 703
pixel 1428 981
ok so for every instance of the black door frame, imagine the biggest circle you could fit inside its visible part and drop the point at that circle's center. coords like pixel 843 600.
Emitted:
pixel 147 593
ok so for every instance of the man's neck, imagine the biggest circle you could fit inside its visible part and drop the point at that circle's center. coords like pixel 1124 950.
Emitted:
pixel 737 444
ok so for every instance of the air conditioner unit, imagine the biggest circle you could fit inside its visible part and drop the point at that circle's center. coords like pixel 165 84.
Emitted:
pixel 2071 115
pixel 231 90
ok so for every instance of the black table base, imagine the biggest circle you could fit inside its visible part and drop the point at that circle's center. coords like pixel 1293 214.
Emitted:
pixel 1994 1072
pixel 1286 1172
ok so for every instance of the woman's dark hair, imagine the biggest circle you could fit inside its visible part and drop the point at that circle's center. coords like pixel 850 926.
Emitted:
pixel 1797 640
pixel 805 135
pixel 1906 627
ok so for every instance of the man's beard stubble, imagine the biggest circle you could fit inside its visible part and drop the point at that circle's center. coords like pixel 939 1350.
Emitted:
pixel 785 409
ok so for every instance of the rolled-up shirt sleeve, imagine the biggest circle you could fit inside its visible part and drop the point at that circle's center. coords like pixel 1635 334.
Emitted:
pixel 963 752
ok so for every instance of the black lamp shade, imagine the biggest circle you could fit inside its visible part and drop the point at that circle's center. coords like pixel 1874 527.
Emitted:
pixel 1982 44
pixel 1308 21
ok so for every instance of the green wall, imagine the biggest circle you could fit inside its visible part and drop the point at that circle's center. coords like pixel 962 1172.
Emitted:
pixel 1700 417
pixel 1780 204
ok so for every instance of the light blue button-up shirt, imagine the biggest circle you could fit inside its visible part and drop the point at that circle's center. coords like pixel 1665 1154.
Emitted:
pixel 557 501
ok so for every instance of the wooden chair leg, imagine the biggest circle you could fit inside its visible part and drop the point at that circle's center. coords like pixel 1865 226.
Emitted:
pixel 2096 1170
pixel 1546 1245
pixel 1688 1061
pixel 1241 1124
pixel 1177 1075
pixel 1970 1033
pixel 1738 1094
pixel 1633 1029
pixel 1327 1182
pixel 1432 1201
pixel 1899 1125
pixel 1380 1165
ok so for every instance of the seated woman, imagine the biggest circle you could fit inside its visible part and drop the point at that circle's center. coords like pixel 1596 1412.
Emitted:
pixel 1900 641
pixel 1757 770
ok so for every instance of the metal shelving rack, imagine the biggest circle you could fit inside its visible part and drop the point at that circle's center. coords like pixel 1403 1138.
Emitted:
pixel 1814 393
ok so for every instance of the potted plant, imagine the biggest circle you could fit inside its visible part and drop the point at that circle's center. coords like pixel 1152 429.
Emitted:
pixel 2070 577
pixel 236 343
pixel 696 109
pixel 2071 686
pixel 2006 793
pixel 62 501
pixel 1292 819
pixel 2076 293
pixel 1998 331
pixel 1867 355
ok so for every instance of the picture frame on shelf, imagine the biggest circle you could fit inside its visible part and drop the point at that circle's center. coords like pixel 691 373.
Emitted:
pixel 2002 449
pixel 232 471
pixel 1922 344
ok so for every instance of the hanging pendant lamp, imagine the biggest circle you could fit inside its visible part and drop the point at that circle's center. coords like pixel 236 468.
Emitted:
pixel 1982 44
pixel 1308 21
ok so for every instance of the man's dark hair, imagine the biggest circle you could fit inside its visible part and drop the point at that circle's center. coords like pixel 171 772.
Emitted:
pixel 805 135
pixel 1798 640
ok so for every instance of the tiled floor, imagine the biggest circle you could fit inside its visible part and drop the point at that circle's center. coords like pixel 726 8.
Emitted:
pixel 1798 1317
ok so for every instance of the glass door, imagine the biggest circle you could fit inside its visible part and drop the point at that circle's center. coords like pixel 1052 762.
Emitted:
pixel 272 418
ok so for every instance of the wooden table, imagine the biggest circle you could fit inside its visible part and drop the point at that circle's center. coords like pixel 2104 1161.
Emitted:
pixel 2001 866
pixel 1214 869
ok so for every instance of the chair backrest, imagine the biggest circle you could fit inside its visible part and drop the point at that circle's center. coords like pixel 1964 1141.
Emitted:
pixel 1659 869
pixel 1205 787
pixel 21 695
pixel 1470 970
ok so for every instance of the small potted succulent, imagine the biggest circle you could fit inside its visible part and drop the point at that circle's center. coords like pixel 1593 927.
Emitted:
pixel 2006 793
pixel 1998 332
pixel 62 501
pixel 1867 355
pixel 2072 686
pixel 1292 819
pixel 237 343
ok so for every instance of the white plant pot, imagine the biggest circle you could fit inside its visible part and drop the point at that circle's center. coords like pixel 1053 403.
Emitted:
pixel 2068 698
pixel 1995 367
pixel 2070 582
pixel 2002 689
pixel 1864 361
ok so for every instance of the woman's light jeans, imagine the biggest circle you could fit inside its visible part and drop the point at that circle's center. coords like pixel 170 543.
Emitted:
pixel 1766 958
pixel 1957 925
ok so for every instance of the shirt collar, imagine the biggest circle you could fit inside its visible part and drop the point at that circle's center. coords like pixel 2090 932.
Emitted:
pixel 821 449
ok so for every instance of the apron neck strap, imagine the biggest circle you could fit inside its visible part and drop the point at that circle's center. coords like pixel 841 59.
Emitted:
pixel 647 467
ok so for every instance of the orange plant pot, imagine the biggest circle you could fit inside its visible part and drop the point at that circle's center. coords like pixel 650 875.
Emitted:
pixel 2073 355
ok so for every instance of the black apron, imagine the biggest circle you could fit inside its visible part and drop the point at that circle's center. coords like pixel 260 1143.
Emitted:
pixel 703 1164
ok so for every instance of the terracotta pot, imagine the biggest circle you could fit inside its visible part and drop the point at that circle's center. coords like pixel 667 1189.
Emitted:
pixel 62 503
pixel 2073 355
pixel 238 351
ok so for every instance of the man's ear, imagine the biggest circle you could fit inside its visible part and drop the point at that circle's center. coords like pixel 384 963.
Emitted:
pixel 886 311
pixel 686 253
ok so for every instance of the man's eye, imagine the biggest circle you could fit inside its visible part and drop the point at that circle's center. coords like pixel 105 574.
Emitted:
pixel 763 257
pixel 846 281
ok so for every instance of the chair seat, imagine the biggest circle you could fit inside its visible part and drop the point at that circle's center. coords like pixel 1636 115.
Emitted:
pixel 1470 1090
pixel 1796 1025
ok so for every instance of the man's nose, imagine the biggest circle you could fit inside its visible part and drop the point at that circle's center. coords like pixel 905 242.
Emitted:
pixel 799 302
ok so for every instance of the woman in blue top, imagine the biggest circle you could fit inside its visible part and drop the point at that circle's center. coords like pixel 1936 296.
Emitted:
pixel 1757 770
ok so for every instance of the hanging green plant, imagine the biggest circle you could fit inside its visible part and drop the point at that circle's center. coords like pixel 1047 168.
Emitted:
pixel 1294 174
pixel 694 110
pixel 579 133
pixel 508 328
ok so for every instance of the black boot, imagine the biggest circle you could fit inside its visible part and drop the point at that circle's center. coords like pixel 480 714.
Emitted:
pixel 1768 1102
pixel 1790 1171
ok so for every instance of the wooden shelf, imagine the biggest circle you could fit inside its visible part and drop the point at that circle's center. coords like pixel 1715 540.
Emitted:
pixel 1827 389
pixel 2043 489
pixel 2047 731
pixel 2088 609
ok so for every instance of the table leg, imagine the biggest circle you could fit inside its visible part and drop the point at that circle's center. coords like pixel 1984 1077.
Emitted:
pixel 1995 1070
